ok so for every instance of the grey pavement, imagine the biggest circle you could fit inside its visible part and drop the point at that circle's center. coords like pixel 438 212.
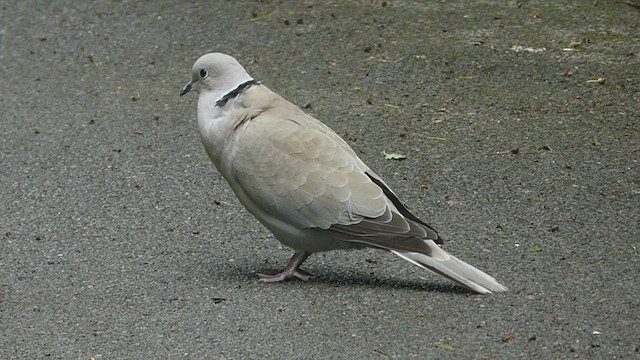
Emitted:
pixel 521 126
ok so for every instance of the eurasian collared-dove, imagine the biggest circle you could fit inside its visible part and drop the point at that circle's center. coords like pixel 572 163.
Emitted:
pixel 303 181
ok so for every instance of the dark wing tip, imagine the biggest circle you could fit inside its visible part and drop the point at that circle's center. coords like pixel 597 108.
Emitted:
pixel 432 233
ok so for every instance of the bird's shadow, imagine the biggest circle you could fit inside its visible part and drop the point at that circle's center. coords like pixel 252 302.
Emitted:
pixel 244 272
pixel 356 279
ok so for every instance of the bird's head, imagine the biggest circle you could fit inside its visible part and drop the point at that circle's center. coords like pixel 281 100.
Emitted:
pixel 217 73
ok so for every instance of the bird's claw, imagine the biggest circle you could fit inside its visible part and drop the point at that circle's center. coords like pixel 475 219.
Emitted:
pixel 300 274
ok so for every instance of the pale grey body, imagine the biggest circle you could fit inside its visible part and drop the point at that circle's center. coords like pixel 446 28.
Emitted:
pixel 303 181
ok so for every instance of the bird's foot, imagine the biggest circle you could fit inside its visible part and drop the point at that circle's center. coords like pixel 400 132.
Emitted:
pixel 300 274
pixel 292 269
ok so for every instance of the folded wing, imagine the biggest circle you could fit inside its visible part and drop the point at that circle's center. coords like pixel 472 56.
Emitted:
pixel 296 168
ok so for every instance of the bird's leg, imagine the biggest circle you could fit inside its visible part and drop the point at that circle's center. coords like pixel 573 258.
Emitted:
pixel 292 269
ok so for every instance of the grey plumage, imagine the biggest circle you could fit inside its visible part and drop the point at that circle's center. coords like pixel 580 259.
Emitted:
pixel 304 182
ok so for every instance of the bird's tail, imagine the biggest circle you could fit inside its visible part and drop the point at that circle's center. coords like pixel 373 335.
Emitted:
pixel 453 268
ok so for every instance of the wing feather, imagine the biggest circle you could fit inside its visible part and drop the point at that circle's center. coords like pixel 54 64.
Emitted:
pixel 297 169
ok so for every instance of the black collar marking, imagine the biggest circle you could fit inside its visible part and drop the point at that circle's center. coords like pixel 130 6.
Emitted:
pixel 235 92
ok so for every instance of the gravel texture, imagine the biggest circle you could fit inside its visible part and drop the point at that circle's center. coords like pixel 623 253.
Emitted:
pixel 519 121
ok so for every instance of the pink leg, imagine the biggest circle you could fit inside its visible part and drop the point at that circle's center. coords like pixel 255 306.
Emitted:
pixel 292 269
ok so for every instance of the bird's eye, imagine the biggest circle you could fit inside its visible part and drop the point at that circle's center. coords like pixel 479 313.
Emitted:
pixel 203 73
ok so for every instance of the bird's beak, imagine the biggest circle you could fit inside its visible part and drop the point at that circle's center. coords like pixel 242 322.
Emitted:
pixel 186 88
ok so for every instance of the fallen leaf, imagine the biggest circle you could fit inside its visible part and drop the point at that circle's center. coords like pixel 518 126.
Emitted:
pixel 446 346
pixel 599 80
pixel 393 156
pixel 536 249
pixel 520 48
pixel 257 17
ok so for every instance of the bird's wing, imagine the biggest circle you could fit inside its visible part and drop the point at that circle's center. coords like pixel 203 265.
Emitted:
pixel 299 170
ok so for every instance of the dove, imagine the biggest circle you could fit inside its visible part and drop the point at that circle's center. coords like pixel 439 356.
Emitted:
pixel 303 182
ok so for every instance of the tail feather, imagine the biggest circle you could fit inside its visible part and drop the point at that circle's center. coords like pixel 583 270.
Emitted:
pixel 454 269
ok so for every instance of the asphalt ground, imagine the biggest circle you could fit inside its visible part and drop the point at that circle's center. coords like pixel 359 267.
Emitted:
pixel 520 126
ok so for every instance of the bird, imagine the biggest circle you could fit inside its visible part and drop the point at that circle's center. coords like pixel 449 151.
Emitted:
pixel 303 182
